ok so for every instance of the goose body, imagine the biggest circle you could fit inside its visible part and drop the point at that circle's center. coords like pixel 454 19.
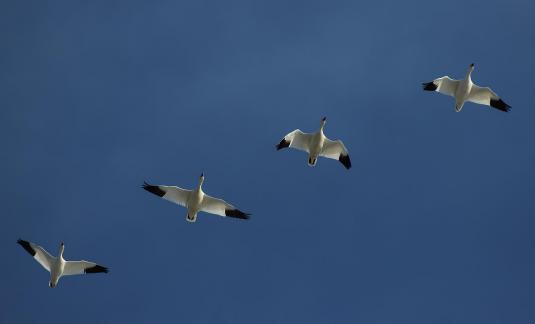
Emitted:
pixel 316 145
pixel 195 201
pixel 465 90
pixel 57 266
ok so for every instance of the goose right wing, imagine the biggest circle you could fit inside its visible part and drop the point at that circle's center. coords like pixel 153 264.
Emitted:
pixel 173 194
pixel 336 150
pixel 296 139
pixel 38 253
pixel 220 207
pixel 444 85
pixel 82 267
pixel 485 96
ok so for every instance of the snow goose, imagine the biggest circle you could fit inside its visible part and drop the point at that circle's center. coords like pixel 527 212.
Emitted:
pixel 195 201
pixel 58 267
pixel 316 144
pixel 465 90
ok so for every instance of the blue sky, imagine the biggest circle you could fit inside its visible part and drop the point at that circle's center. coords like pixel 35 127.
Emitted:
pixel 433 224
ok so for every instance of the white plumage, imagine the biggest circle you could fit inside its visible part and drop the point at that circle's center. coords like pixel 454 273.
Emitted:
pixel 57 266
pixel 316 144
pixel 195 201
pixel 465 90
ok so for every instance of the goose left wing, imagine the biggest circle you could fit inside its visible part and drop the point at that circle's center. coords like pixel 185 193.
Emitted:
pixel 173 194
pixel 485 96
pixel 82 267
pixel 296 139
pixel 336 150
pixel 444 85
pixel 39 254
pixel 222 208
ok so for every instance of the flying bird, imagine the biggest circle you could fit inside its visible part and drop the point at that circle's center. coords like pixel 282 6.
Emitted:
pixel 465 90
pixel 58 267
pixel 196 201
pixel 316 144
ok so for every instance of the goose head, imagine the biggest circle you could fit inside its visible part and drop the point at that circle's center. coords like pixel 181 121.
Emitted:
pixel 323 121
pixel 201 179
pixel 471 68
pixel 61 249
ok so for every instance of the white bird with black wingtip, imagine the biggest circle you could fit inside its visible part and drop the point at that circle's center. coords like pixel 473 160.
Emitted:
pixel 196 201
pixel 465 90
pixel 57 266
pixel 316 144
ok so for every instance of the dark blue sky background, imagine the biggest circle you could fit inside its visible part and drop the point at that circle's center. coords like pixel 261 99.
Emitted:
pixel 433 224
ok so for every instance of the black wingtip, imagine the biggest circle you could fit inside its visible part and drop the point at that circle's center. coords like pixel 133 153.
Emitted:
pixel 283 144
pixel 26 245
pixel 500 105
pixel 344 159
pixel 153 189
pixel 97 269
pixel 429 86
pixel 235 213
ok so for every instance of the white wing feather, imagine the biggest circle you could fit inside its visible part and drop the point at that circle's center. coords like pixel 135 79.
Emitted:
pixel 333 149
pixel 215 206
pixel 482 95
pixel 76 267
pixel 446 85
pixel 39 254
pixel 176 195
pixel 222 208
pixel 173 194
pixel 299 140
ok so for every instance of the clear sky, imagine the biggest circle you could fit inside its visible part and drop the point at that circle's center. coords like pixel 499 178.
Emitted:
pixel 433 224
